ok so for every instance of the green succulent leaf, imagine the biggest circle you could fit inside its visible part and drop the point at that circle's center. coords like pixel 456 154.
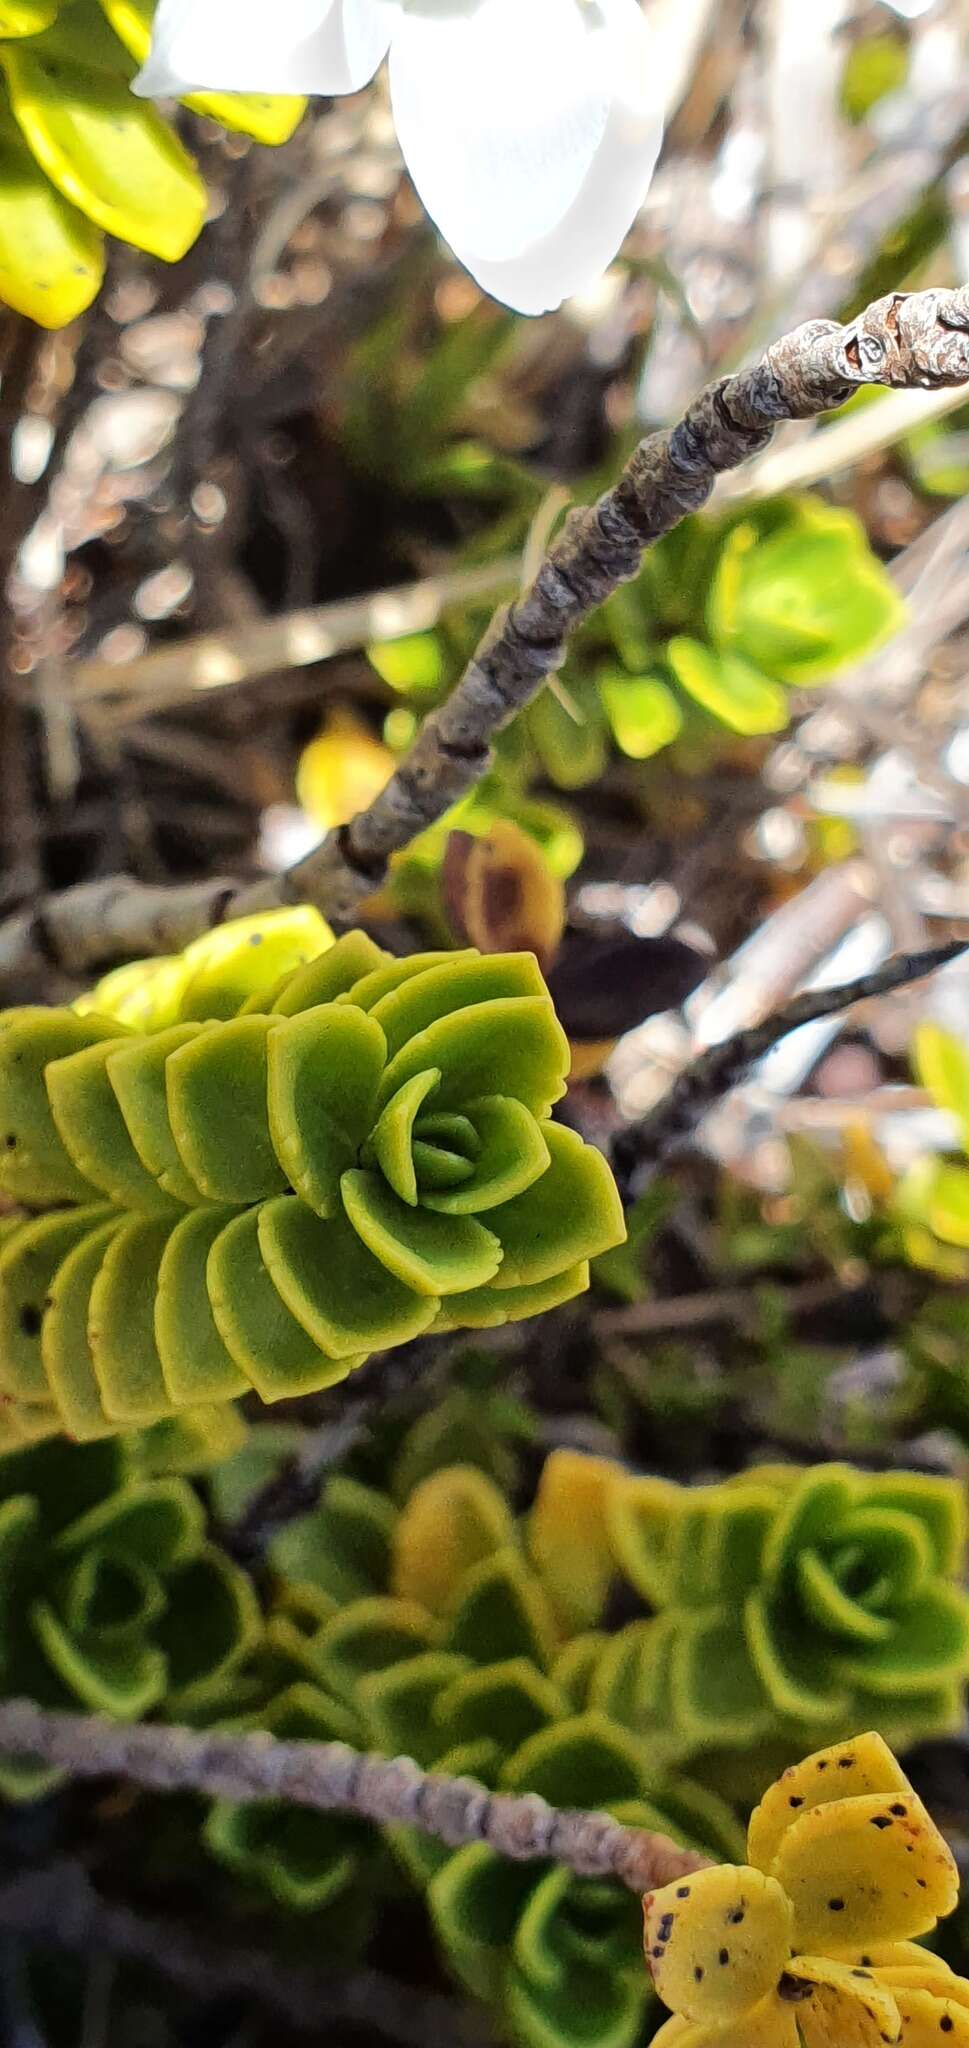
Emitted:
pixel 310 1163
pixel 399 1703
pixel 512 1046
pixel 716 1689
pixel 216 1086
pixel 34 1165
pixel 928 1638
pixel 476 1900
pixel 804 600
pixel 114 159
pixel 345 1298
pixel 643 713
pixel 586 1761
pixel 502 1614
pixel 345 1547
pixel 489 1308
pixel 51 256
pixel 506 1702
pixel 29 1262
pixel 324 1075
pixel 269 1345
pixel 371 1636
pixel 454 1520
pixel 792 1667
pixel 738 694
pixel 572 1212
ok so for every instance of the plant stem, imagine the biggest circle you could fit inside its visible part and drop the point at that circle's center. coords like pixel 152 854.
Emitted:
pixel 59 1905
pixel 720 1067
pixel 917 341
pixel 330 1777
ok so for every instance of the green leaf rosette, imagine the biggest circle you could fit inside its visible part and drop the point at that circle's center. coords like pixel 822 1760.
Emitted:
pixel 259 1162
pixel 796 1604
pixel 113 1600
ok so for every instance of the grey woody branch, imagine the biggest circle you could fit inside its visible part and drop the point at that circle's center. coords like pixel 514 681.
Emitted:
pixel 908 341
pixel 642 1146
pixel 335 1779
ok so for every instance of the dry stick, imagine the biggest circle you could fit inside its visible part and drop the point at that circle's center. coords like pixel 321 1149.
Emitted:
pixel 917 341
pixel 60 1906
pixel 720 1067
pixel 334 1779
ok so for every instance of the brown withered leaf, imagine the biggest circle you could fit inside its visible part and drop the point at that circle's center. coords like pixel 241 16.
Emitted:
pixel 500 893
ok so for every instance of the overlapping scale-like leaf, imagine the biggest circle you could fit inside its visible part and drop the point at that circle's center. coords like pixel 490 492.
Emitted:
pixel 282 1153
pixel 111 1597
pixel 801 1601
pixel 436 1629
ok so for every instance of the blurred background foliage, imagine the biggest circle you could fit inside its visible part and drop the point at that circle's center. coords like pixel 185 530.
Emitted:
pixel 259 505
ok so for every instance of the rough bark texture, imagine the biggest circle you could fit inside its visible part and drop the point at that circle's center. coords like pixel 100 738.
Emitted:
pixel 909 341
pixel 333 1778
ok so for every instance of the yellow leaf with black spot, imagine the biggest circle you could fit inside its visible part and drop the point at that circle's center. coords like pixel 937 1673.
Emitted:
pixel 771 2025
pixel 930 2019
pixel 839 2005
pixel 717 1942
pixel 844 1770
pixel 51 257
pixel 868 1869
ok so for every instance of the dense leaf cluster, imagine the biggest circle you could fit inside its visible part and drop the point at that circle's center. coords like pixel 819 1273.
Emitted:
pixel 111 1595
pixel 430 1621
pixel 278 1169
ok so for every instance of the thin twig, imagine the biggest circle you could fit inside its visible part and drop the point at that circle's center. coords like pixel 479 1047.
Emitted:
pixel 736 1307
pixel 59 1905
pixel 332 1778
pixel 207 662
pixel 917 341
pixel 720 1067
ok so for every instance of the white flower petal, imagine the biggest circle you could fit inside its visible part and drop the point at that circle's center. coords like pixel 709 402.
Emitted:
pixel 348 46
pixel 531 129
pixel 266 46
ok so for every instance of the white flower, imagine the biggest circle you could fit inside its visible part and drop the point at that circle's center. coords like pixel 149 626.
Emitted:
pixel 530 127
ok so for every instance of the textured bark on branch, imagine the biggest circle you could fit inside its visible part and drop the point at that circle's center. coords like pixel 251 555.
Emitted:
pixel 908 341
pixel 335 1779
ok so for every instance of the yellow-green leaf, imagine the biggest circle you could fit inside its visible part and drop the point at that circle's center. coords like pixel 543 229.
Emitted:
pixel 110 154
pixel 51 257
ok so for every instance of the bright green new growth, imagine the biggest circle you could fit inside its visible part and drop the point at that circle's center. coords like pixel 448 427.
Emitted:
pixel 796 1603
pixel 279 1173
pixel 111 1597
pixel 430 1622
pixel 726 618
pixel 81 157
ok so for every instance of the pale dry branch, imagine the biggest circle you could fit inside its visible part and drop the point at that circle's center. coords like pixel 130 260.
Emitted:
pixel 332 1778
